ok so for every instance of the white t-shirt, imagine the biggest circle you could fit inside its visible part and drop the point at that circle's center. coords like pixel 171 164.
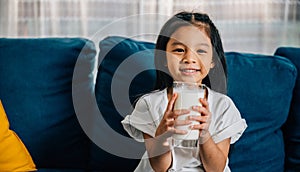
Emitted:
pixel 226 122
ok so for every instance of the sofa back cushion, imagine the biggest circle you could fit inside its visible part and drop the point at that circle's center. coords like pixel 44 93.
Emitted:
pixel 261 87
pixel 292 126
pixel 14 155
pixel 36 89
pixel 123 75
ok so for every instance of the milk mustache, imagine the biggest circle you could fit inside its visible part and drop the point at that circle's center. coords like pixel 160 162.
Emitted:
pixel 188 96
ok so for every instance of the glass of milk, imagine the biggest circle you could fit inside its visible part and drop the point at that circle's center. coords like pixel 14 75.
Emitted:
pixel 188 96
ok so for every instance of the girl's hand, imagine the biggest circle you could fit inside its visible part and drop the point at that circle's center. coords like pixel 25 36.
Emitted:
pixel 167 125
pixel 203 119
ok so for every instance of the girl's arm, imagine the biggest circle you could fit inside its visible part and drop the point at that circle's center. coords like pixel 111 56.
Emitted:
pixel 160 156
pixel 213 156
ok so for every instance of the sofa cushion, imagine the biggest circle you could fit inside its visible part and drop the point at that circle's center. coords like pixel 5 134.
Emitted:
pixel 14 155
pixel 261 87
pixel 125 70
pixel 36 89
pixel 292 126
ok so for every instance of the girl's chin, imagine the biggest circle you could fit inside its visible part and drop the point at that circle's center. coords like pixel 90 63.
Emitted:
pixel 189 80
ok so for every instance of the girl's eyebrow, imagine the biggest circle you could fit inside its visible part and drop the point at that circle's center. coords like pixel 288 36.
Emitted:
pixel 203 44
pixel 177 43
pixel 180 43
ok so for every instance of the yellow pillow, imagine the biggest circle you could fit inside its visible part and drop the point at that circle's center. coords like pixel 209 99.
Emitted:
pixel 13 153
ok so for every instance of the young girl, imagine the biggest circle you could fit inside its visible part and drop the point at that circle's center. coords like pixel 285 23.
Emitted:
pixel 188 49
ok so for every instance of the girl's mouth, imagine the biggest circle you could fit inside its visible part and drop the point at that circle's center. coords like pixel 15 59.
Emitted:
pixel 189 70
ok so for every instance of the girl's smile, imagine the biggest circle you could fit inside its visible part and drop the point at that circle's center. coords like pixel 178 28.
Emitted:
pixel 189 71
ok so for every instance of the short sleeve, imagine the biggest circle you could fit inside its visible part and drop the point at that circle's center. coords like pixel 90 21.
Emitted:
pixel 140 121
pixel 229 123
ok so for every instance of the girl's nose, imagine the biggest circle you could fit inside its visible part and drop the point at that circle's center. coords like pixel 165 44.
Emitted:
pixel 189 58
pixel 188 61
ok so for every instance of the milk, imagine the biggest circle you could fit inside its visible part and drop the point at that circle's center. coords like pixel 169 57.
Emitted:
pixel 188 96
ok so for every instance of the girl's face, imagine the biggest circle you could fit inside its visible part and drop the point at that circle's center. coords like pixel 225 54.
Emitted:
pixel 189 54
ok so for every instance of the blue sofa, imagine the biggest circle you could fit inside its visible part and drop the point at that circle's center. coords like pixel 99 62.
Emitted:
pixel 66 101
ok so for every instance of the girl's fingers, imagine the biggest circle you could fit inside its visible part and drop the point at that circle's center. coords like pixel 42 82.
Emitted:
pixel 176 131
pixel 200 109
pixel 171 102
pixel 203 126
pixel 170 123
pixel 182 122
pixel 204 103
pixel 201 119
pixel 174 114
pixel 203 109
pixel 172 130
pixel 180 112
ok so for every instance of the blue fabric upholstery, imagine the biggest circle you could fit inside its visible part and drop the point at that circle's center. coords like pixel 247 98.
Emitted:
pixel 261 86
pixel 127 64
pixel 36 78
pixel 291 128
pixel 36 90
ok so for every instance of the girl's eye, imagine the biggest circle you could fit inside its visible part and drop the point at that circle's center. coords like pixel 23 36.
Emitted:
pixel 201 51
pixel 179 50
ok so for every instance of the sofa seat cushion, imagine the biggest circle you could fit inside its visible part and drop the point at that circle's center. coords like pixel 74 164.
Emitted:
pixel 292 127
pixel 261 86
pixel 36 87
pixel 61 170
pixel 13 153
